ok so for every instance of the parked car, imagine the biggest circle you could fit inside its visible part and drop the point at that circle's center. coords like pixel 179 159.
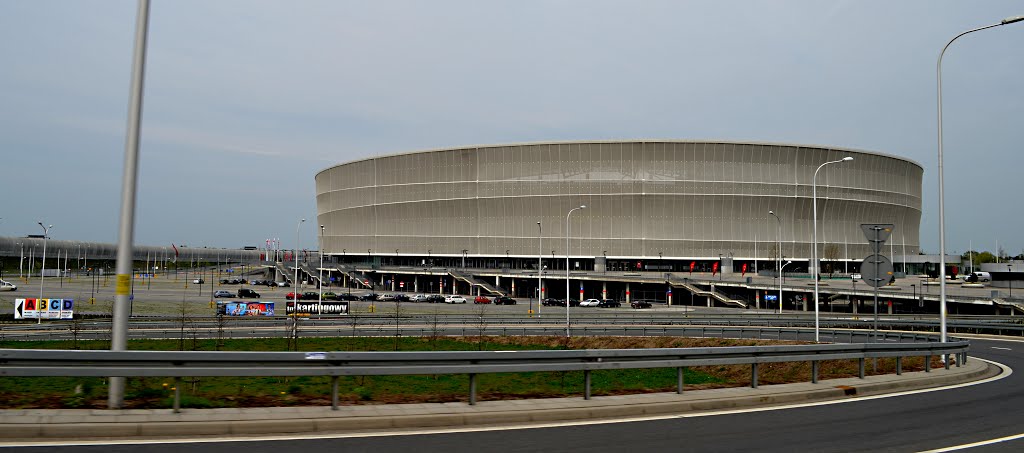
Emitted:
pixel 401 297
pixel 481 300
pixel 590 303
pixel 640 304
pixel 553 302
pixel 435 299
pixel 386 297
pixel 368 296
pixel 198 281
pixel 246 292
pixel 348 296
pixel 329 295
pixel 7 286
pixel 222 293
pixel 456 299
pixel 610 303
pixel 284 284
pixel 292 296
pixel 418 298
pixel 310 295
pixel 504 300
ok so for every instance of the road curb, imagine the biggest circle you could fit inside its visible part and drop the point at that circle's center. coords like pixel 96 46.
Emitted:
pixel 77 424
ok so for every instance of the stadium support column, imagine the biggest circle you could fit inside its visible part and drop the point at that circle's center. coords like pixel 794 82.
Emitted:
pixel 604 290
pixel 627 292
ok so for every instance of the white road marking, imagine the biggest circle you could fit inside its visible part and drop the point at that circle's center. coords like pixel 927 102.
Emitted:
pixel 1001 349
pixel 977 444
pixel 1006 372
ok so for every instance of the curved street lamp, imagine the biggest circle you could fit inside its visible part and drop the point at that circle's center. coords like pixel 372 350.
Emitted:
pixel 42 273
pixel 778 255
pixel 540 266
pixel 942 191
pixel 582 206
pixel 814 251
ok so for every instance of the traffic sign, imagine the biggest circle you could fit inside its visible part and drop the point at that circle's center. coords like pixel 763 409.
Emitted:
pixel 876 270
pixel 877 234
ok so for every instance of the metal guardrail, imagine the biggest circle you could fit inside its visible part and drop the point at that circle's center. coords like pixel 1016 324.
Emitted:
pixel 78 363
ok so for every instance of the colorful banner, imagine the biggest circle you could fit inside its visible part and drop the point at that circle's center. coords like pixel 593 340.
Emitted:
pixel 239 308
pixel 44 308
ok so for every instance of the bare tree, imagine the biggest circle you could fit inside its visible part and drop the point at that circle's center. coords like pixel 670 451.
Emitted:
pixel 481 326
pixel 831 254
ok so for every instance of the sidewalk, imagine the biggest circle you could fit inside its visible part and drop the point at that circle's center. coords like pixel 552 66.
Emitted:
pixel 80 424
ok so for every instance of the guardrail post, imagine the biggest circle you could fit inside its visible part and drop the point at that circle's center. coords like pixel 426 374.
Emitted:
pixel 946 355
pixel 586 384
pixel 814 372
pixel 928 363
pixel 334 393
pixel 860 367
pixel 899 365
pixel 963 358
pixel 679 379
pixel 177 395
pixel 472 389
pixel 753 375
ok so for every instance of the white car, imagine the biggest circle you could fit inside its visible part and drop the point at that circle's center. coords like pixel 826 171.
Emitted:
pixel 590 303
pixel 7 286
pixel 454 299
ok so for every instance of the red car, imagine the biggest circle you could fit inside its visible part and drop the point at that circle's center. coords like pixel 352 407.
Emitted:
pixel 481 300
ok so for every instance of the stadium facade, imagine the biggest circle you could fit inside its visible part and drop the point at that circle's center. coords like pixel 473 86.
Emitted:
pixel 650 205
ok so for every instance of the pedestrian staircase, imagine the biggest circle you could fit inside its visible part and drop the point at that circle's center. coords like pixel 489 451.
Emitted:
pixel 473 282
pixel 676 282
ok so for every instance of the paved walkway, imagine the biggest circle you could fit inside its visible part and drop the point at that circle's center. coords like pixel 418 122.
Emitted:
pixel 80 424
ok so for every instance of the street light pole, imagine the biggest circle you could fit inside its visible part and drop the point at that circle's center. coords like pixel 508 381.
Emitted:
pixel 942 191
pixel 540 265
pixel 320 292
pixel 778 255
pixel 42 273
pixel 780 284
pixel 814 251
pixel 582 206
pixel 295 289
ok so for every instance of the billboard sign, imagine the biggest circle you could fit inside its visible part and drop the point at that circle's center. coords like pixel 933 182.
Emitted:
pixel 245 308
pixel 320 308
pixel 44 308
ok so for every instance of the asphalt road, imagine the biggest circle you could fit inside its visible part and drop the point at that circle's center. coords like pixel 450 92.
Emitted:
pixel 914 422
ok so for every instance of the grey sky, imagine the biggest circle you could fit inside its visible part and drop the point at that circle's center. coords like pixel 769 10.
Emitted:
pixel 246 100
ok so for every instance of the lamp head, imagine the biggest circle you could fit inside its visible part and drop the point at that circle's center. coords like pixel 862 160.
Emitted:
pixel 1010 20
pixel 771 212
pixel 583 206
pixel 847 158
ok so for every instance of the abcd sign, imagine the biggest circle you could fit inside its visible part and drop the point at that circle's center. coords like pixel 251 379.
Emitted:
pixel 44 308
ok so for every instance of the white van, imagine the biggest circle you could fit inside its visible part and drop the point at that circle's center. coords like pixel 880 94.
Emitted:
pixel 979 276
pixel 7 286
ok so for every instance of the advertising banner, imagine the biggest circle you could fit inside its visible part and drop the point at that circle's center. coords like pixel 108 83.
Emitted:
pixel 244 308
pixel 44 308
pixel 319 308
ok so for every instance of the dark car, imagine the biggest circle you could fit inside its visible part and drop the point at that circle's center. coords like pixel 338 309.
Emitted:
pixel 553 302
pixel 640 304
pixel 310 295
pixel 504 300
pixel 435 299
pixel 246 292
pixel 401 297
pixel 368 296
pixel 609 303
pixel 348 296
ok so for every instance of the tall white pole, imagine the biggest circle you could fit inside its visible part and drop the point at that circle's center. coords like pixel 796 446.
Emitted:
pixel 320 292
pixel 778 266
pixel 540 266
pixel 567 303
pixel 42 274
pixel 295 288
pixel 814 249
pixel 942 190
pixel 126 227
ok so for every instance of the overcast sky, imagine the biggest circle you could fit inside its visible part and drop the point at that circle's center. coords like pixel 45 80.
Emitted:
pixel 246 100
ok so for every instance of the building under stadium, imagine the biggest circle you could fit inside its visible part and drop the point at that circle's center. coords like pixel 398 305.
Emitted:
pixel 661 205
